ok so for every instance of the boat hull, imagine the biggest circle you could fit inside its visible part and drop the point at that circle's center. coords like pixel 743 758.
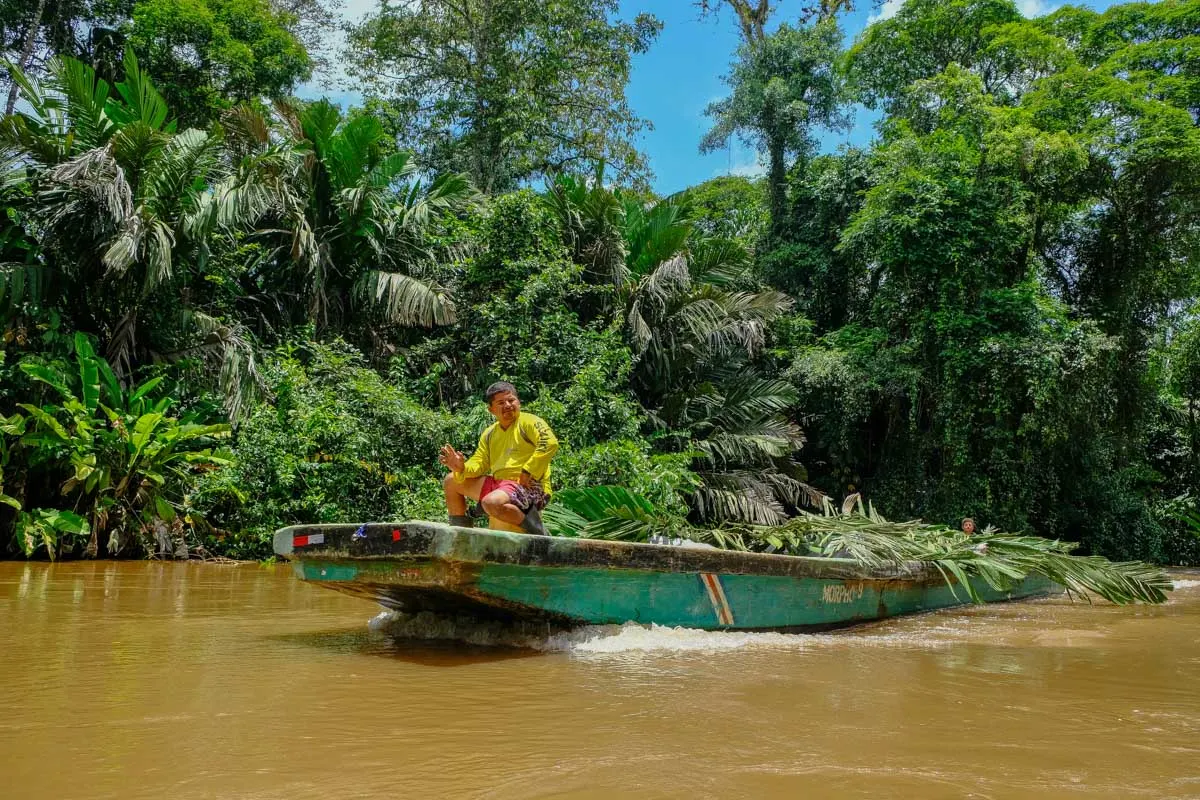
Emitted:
pixel 423 566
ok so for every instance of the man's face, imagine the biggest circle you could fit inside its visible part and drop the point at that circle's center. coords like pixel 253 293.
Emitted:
pixel 505 407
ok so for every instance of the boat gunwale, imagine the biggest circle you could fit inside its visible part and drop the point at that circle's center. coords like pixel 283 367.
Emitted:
pixel 348 542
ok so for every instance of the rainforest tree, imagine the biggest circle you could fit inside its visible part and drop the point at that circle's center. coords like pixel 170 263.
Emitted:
pixel 784 88
pixel 506 90
pixel 209 55
pixel 204 55
pixel 1027 225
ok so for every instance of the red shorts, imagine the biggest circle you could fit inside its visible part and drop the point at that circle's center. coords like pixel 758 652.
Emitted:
pixel 490 484
pixel 520 496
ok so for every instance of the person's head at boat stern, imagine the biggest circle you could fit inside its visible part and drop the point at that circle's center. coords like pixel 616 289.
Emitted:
pixel 509 474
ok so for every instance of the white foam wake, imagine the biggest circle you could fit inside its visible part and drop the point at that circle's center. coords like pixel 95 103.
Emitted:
pixel 632 637
pixel 1185 584
pixel 592 639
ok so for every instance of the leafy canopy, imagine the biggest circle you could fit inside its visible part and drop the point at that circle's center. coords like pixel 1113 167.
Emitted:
pixel 506 90
pixel 208 55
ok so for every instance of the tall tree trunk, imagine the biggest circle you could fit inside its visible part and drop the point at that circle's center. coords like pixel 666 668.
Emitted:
pixel 26 54
pixel 1195 440
pixel 751 14
pixel 777 185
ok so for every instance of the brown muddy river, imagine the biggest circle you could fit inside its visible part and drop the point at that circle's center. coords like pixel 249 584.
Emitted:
pixel 178 681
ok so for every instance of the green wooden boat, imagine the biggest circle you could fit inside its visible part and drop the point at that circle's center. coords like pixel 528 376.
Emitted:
pixel 426 566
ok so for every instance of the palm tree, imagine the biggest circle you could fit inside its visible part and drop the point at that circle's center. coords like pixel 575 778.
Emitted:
pixel 344 219
pixel 21 270
pixel 592 219
pixel 694 321
pixel 116 208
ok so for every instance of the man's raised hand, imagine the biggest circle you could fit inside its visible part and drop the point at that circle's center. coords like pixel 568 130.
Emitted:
pixel 452 459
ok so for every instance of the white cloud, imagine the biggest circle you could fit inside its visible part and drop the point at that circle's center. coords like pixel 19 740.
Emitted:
pixel 1035 8
pixel 886 11
pixel 355 9
pixel 755 170
pixel 333 82
pixel 742 161
pixel 1028 8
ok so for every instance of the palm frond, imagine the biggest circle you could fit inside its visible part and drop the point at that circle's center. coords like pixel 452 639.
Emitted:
pixel 142 103
pixel 42 104
pixel 793 491
pixel 41 144
pixel 349 148
pixel 96 174
pixel 183 172
pixel 406 300
pixel 317 122
pixel 719 261
pixel 668 278
pixel 763 306
pixel 736 496
pixel 247 131
pixel 742 403
pixel 653 235
pixel 863 535
pixel 606 512
pixel 744 449
pixel 229 348
pixel 591 217
pixel 86 99
pixel 1118 582
pixel 289 111
pixel 447 192
pixel 122 344
pixel 1001 560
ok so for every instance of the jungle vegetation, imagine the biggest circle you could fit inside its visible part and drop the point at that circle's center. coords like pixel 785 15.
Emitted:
pixel 224 309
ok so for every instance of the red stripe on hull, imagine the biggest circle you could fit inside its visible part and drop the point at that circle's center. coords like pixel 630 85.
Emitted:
pixel 716 595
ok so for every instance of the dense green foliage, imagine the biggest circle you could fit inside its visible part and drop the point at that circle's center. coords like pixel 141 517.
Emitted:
pixel 505 90
pixel 730 206
pixel 988 312
pixel 204 55
pixel 208 55
pixel 336 437
pixel 1023 227
pixel 117 458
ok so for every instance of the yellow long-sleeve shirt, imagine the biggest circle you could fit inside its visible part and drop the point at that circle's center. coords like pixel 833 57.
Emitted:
pixel 528 444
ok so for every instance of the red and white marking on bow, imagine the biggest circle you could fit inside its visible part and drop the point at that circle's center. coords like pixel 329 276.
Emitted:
pixel 312 538
pixel 716 594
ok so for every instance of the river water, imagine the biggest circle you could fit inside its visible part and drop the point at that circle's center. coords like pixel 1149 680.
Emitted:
pixel 152 680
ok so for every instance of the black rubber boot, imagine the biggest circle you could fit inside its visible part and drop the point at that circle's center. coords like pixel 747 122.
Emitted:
pixel 461 521
pixel 532 523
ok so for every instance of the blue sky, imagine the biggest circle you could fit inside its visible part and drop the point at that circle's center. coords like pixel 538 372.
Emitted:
pixel 672 84
pixel 681 74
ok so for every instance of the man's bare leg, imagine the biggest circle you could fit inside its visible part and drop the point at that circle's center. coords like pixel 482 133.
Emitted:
pixel 499 505
pixel 457 495
pixel 501 509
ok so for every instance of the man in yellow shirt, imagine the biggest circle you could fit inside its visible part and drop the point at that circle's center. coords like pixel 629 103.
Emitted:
pixel 509 474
